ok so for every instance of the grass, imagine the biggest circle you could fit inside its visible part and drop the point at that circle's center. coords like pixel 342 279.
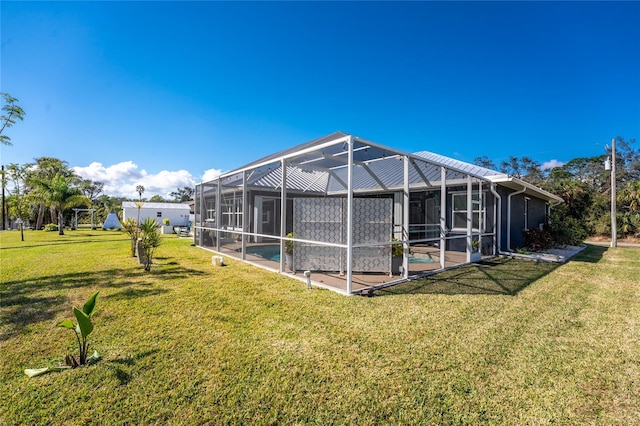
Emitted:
pixel 507 342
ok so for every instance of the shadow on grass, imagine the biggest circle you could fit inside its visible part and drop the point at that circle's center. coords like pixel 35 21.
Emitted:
pixel 120 372
pixel 27 244
pixel 498 276
pixel 26 302
pixel 592 254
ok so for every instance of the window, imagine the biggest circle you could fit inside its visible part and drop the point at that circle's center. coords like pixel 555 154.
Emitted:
pixel 159 214
pixel 459 211
pixel 211 210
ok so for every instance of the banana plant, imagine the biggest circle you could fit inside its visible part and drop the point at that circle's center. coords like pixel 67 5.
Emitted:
pixel 82 329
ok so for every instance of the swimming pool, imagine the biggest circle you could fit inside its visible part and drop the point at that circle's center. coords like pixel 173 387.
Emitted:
pixel 272 252
pixel 420 259
pixel 269 252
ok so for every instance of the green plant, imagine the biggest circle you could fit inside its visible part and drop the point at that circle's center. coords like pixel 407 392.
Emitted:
pixel 166 221
pixel 537 239
pixel 148 242
pixel 50 227
pixel 475 246
pixel 397 250
pixel 130 226
pixel 288 245
pixel 82 329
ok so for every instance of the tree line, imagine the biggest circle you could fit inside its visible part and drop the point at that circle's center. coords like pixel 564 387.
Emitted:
pixel 47 190
pixel 585 186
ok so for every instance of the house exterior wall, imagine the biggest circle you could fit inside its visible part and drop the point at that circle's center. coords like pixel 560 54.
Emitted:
pixel 536 210
pixel 178 216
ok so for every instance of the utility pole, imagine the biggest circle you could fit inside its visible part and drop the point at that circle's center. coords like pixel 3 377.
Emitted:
pixel 614 236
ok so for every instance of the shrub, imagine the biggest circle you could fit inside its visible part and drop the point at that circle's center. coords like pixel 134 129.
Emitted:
pixel 397 250
pixel 568 230
pixel 288 245
pixel 50 227
pixel 130 226
pixel 166 221
pixel 536 239
pixel 149 241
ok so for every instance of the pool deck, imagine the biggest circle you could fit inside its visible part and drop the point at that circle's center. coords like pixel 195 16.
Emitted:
pixel 361 280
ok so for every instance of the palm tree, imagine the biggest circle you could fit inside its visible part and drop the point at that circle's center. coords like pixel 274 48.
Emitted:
pixel 62 193
pixel 46 168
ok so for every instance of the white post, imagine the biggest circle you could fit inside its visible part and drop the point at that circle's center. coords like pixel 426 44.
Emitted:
pixel 243 244
pixel 469 217
pixel 283 214
pixel 443 216
pixel 350 216
pixel 218 214
pixel 614 231
pixel 480 210
pixel 405 220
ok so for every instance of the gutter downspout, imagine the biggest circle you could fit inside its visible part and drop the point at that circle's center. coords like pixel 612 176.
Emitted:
pixel 497 247
pixel 524 188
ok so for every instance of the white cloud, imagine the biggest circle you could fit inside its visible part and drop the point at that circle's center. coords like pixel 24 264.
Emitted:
pixel 548 165
pixel 211 174
pixel 121 179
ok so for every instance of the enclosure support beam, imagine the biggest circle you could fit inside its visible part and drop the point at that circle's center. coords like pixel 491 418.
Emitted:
pixel 422 176
pixel 218 213
pixel 245 198
pixel 481 208
pixel 443 217
pixel 497 220
pixel 283 213
pixel 350 217
pixel 405 220
pixel 469 216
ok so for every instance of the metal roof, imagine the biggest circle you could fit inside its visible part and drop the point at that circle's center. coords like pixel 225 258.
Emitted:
pixel 321 166
pixel 161 206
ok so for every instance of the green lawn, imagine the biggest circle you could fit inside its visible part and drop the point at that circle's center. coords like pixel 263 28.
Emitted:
pixel 508 342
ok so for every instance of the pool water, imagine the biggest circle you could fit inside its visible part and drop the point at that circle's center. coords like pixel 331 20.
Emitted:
pixel 269 252
pixel 415 259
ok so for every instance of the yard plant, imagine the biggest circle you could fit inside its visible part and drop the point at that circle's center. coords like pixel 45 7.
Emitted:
pixel 81 329
pixel 505 342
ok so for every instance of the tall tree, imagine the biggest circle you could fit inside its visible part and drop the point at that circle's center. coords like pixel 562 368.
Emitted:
pixel 183 194
pixel 18 175
pixel 62 193
pixel 483 161
pixel 91 189
pixel 11 113
pixel 44 170
pixel 522 168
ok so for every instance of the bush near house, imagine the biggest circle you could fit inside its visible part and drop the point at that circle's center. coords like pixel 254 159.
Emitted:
pixel 538 239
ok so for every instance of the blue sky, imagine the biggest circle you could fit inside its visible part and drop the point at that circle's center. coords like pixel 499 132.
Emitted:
pixel 164 93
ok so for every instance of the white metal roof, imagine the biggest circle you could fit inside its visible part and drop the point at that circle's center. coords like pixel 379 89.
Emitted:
pixel 158 206
pixel 320 166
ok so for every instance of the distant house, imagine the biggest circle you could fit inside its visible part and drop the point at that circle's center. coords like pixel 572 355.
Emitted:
pixel 178 214
pixel 356 214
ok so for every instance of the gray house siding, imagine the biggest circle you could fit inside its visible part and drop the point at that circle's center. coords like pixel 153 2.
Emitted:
pixel 536 212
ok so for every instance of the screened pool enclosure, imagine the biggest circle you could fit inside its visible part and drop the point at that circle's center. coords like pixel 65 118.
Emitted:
pixel 353 213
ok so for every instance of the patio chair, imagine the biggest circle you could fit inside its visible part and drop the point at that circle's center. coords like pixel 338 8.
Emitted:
pixel 184 231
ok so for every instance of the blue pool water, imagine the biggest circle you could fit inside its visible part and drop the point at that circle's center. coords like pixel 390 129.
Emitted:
pixel 269 252
pixel 414 259
pixel 272 252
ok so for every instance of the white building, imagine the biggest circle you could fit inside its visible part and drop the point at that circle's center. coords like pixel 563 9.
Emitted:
pixel 178 214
